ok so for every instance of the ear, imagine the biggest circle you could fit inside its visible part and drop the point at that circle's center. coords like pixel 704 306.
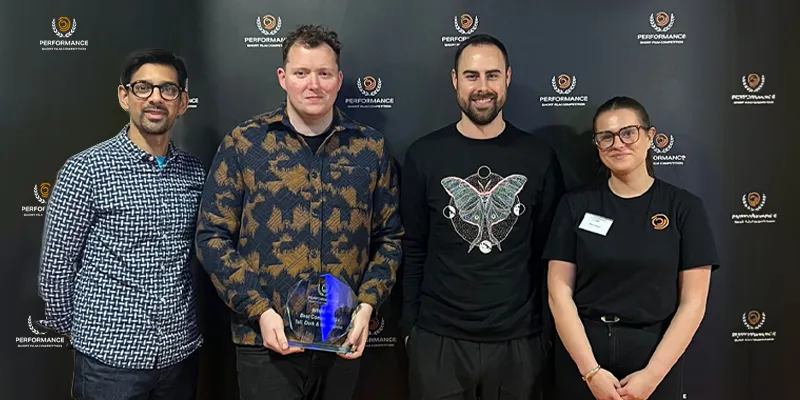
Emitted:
pixel 282 77
pixel 651 133
pixel 341 79
pixel 508 76
pixel 122 96
pixel 454 77
pixel 184 103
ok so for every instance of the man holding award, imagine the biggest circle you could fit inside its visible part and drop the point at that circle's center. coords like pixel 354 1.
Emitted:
pixel 299 230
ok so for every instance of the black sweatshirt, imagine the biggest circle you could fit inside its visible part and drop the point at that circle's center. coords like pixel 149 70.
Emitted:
pixel 477 215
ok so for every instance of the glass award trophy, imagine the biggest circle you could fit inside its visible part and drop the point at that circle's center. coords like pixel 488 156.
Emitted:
pixel 319 313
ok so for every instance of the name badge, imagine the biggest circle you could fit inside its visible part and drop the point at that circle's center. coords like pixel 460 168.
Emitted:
pixel 596 224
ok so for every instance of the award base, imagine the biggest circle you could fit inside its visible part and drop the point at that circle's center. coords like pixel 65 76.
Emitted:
pixel 318 314
pixel 331 348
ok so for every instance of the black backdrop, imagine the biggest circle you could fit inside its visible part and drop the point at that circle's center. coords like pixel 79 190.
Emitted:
pixel 717 141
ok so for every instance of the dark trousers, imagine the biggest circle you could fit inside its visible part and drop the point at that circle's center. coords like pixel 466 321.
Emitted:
pixel 445 368
pixel 620 350
pixel 311 375
pixel 93 380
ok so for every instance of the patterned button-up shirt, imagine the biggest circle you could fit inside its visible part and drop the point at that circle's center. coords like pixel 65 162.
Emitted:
pixel 118 243
pixel 274 213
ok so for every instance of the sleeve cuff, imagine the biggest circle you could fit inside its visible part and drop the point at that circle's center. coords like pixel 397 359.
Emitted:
pixel 371 299
pixel 61 326
pixel 259 307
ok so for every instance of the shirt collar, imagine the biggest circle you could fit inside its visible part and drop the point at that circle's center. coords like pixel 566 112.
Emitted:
pixel 341 121
pixel 136 153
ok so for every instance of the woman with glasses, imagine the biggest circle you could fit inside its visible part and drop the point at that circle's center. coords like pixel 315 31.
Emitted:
pixel 630 261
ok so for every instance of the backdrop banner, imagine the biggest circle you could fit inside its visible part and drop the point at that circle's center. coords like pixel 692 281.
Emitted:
pixel 719 79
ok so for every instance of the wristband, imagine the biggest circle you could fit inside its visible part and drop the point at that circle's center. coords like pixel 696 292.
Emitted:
pixel 590 374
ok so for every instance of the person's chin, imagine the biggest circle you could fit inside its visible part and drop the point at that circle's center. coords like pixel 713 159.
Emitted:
pixel 316 110
pixel 155 128
pixel 483 117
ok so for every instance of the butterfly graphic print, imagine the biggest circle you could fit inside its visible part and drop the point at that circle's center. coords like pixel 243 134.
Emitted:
pixel 484 207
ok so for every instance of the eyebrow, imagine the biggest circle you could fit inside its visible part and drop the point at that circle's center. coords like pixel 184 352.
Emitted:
pixel 469 71
pixel 319 68
pixel 153 83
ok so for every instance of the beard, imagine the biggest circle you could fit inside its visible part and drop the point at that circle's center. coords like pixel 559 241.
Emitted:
pixel 148 127
pixel 481 116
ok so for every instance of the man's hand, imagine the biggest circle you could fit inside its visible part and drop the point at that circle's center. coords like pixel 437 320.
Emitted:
pixel 272 331
pixel 639 385
pixel 357 338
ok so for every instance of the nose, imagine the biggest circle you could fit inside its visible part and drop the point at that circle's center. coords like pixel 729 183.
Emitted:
pixel 155 97
pixel 618 144
pixel 314 82
pixel 484 83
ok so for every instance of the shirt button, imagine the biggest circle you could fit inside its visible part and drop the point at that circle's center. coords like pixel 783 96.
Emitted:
pixel 314 174
pixel 152 158
pixel 314 253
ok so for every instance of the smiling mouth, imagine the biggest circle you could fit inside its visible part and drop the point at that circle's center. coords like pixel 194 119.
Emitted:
pixel 483 102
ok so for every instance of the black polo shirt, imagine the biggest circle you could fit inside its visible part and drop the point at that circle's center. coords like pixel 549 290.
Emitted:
pixel 629 251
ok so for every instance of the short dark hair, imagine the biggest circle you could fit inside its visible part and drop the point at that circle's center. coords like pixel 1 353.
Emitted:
pixel 627 103
pixel 481 39
pixel 312 36
pixel 154 56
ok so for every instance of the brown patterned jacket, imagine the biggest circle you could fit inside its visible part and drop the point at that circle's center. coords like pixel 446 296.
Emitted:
pixel 273 213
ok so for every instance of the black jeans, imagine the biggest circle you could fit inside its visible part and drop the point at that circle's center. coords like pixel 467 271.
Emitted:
pixel 446 368
pixel 311 375
pixel 93 380
pixel 619 349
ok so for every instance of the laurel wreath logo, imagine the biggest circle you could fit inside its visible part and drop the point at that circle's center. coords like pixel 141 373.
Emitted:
pixel 264 30
pixel 660 29
pixel 366 92
pixel 376 325
pixel 750 89
pixel 753 319
pixel 64 21
pixel 30 326
pixel 659 146
pixel 759 203
pixel 460 30
pixel 565 91
pixel 36 193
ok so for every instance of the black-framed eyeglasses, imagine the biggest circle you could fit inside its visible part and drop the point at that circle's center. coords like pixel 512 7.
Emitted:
pixel 628 135
pixel 144 89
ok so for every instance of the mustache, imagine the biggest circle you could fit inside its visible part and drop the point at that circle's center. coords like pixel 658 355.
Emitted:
pixel 155 108
pixel 483 96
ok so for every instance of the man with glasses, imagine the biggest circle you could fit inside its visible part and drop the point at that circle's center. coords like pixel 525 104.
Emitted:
pixel 118 242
